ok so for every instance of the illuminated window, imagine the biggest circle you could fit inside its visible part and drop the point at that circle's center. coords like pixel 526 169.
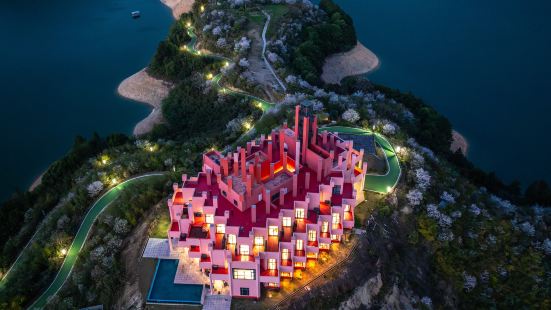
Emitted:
pixel 287 274
pixel 244 249
pixel 271 264
pixel 273 231
pixel 220 228
pixel 346 208
pixel 300 264
pixel 336 220
pixel 259 241
pixel 324 226
pixel 244 274
pixel 285 254
pixel 324 246
pixel 232 239
pixel 299 213
pixel 286 221
pixel 300 244
pixel 335 237
pixel 311 235
pixel 209 218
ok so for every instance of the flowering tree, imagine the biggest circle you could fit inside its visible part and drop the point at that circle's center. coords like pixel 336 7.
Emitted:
pixel 243 62
pixel 414 197
pixel 351 116
pixel 242 45
pixel 422 178
pixel 94 188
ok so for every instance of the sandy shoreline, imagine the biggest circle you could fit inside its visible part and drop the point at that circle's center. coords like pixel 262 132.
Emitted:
pixel 178 7
pixel 143 88
pixel 459 142
pixel 359 60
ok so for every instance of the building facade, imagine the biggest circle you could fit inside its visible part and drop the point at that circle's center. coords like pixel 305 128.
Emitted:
pixel 254 216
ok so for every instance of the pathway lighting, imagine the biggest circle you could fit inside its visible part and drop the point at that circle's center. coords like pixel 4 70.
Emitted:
pixel 63 252
pixel 188 24
pixel 202 8
pixel 226 64
pixel 398 149
pixel 247 125
pixel 389 189
pixel 114 181
pixel 209 76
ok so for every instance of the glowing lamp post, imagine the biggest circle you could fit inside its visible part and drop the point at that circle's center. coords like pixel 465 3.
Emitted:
pixel 114 181
pixel 209 76
pixel 226 64
pixel 63 252
pixel 202 8
pixel 188 24
pixel 389 189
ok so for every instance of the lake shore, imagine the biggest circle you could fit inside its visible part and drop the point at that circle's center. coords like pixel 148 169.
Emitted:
pixel 459 142
pixel 144 88
pixel 359 60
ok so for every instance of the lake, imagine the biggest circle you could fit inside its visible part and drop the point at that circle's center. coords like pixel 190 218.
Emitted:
pixel 483 64
pixel 60 64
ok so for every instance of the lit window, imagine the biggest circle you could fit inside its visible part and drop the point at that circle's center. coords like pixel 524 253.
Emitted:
pixel 336 220
pixel 300 264
pixel 209 218
pixel 311 235
pixel 271 264
pixel 244 249
pixel 285 254
pixel 273 231
pixel 325 246
pixel 232 239
pixel 324 226
pixel 244 274
pixel 300 244
pixel 286 222
pixel 259 241
pixel 220 228
pixel 299 213
pixel 346 208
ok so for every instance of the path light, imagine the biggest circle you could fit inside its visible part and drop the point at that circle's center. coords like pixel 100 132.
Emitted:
pixel 398 149
pixel 114 181
pixel 63 252
pixel 188 24
pixel 247 125
pixel 389 189
pixel 209 76
pixel 202 8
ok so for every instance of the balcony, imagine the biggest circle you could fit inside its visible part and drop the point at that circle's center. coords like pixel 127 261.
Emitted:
pixel 199 232
pixel 242 258
pixel 195 249
pixel 286 262
pixel 325 235
pixel 286 234
pixel 300 226
pixel 300 253
pixel 312 243
pixel 348 216
pixel 220 242
pixel 272 244
pixel 268 272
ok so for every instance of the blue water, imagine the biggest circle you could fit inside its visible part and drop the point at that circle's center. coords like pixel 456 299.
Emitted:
pixel 163 289
pixel 483 64
pixel 60 64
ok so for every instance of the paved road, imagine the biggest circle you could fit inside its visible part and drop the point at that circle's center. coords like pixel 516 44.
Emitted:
pixel 373 182
pixel 82 234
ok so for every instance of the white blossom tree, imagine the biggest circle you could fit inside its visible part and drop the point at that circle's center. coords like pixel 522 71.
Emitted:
pixel 351 116
pixel 94 188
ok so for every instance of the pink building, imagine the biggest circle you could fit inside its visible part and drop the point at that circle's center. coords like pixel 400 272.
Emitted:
pixel 255 216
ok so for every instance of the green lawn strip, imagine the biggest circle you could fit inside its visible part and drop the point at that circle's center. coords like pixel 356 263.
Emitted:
pixel 81 236
pixel 376 183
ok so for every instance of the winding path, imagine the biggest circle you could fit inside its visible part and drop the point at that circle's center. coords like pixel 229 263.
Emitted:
pixel 82 234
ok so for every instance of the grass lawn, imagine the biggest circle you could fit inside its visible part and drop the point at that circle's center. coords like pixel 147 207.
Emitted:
pixel 277 12
pixel 365 209
pixel 161 225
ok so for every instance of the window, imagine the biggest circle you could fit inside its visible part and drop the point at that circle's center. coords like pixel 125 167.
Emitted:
pixel 286 222
pixel 336 220
pixel 209 218
pixel 244 274
pixel 337 190
pixel 284 254
pixel 325 246
pixel 273 231
pixel 300 264
pixel 335 237
pixel 231 239
pixel 324 227
pixel 220 228
pixel 300 244
pixel 235 202
pixel 259 197
pixel 299 213
pixel 311 235
pixel 271 264
pixel 259 241
pixel 224 194
pixel 244 291
pixel 244 249
pixel 346 208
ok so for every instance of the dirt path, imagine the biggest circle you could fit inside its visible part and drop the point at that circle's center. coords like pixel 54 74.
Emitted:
pixel 258 68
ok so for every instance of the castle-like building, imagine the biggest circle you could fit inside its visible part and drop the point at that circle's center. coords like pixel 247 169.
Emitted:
pixel 257 215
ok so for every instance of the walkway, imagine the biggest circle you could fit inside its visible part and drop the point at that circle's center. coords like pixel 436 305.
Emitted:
pixel 217 302
pixel 82 234
pixel 374 182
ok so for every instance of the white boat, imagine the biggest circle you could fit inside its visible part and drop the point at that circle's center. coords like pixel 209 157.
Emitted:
pixel 135 14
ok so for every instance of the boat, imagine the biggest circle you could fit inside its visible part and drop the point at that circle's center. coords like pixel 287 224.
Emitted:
pixel 135 14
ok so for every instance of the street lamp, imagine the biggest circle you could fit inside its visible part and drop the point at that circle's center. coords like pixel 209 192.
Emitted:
pixel 63 252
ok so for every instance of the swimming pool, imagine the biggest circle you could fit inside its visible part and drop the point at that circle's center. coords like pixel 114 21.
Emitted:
pixel 164 290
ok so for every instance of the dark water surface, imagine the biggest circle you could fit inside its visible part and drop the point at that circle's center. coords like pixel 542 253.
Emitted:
pixel 483 64
pixel 60 64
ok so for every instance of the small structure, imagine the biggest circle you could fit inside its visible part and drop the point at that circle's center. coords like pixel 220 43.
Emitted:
pixel 135 14
pixel 256 215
